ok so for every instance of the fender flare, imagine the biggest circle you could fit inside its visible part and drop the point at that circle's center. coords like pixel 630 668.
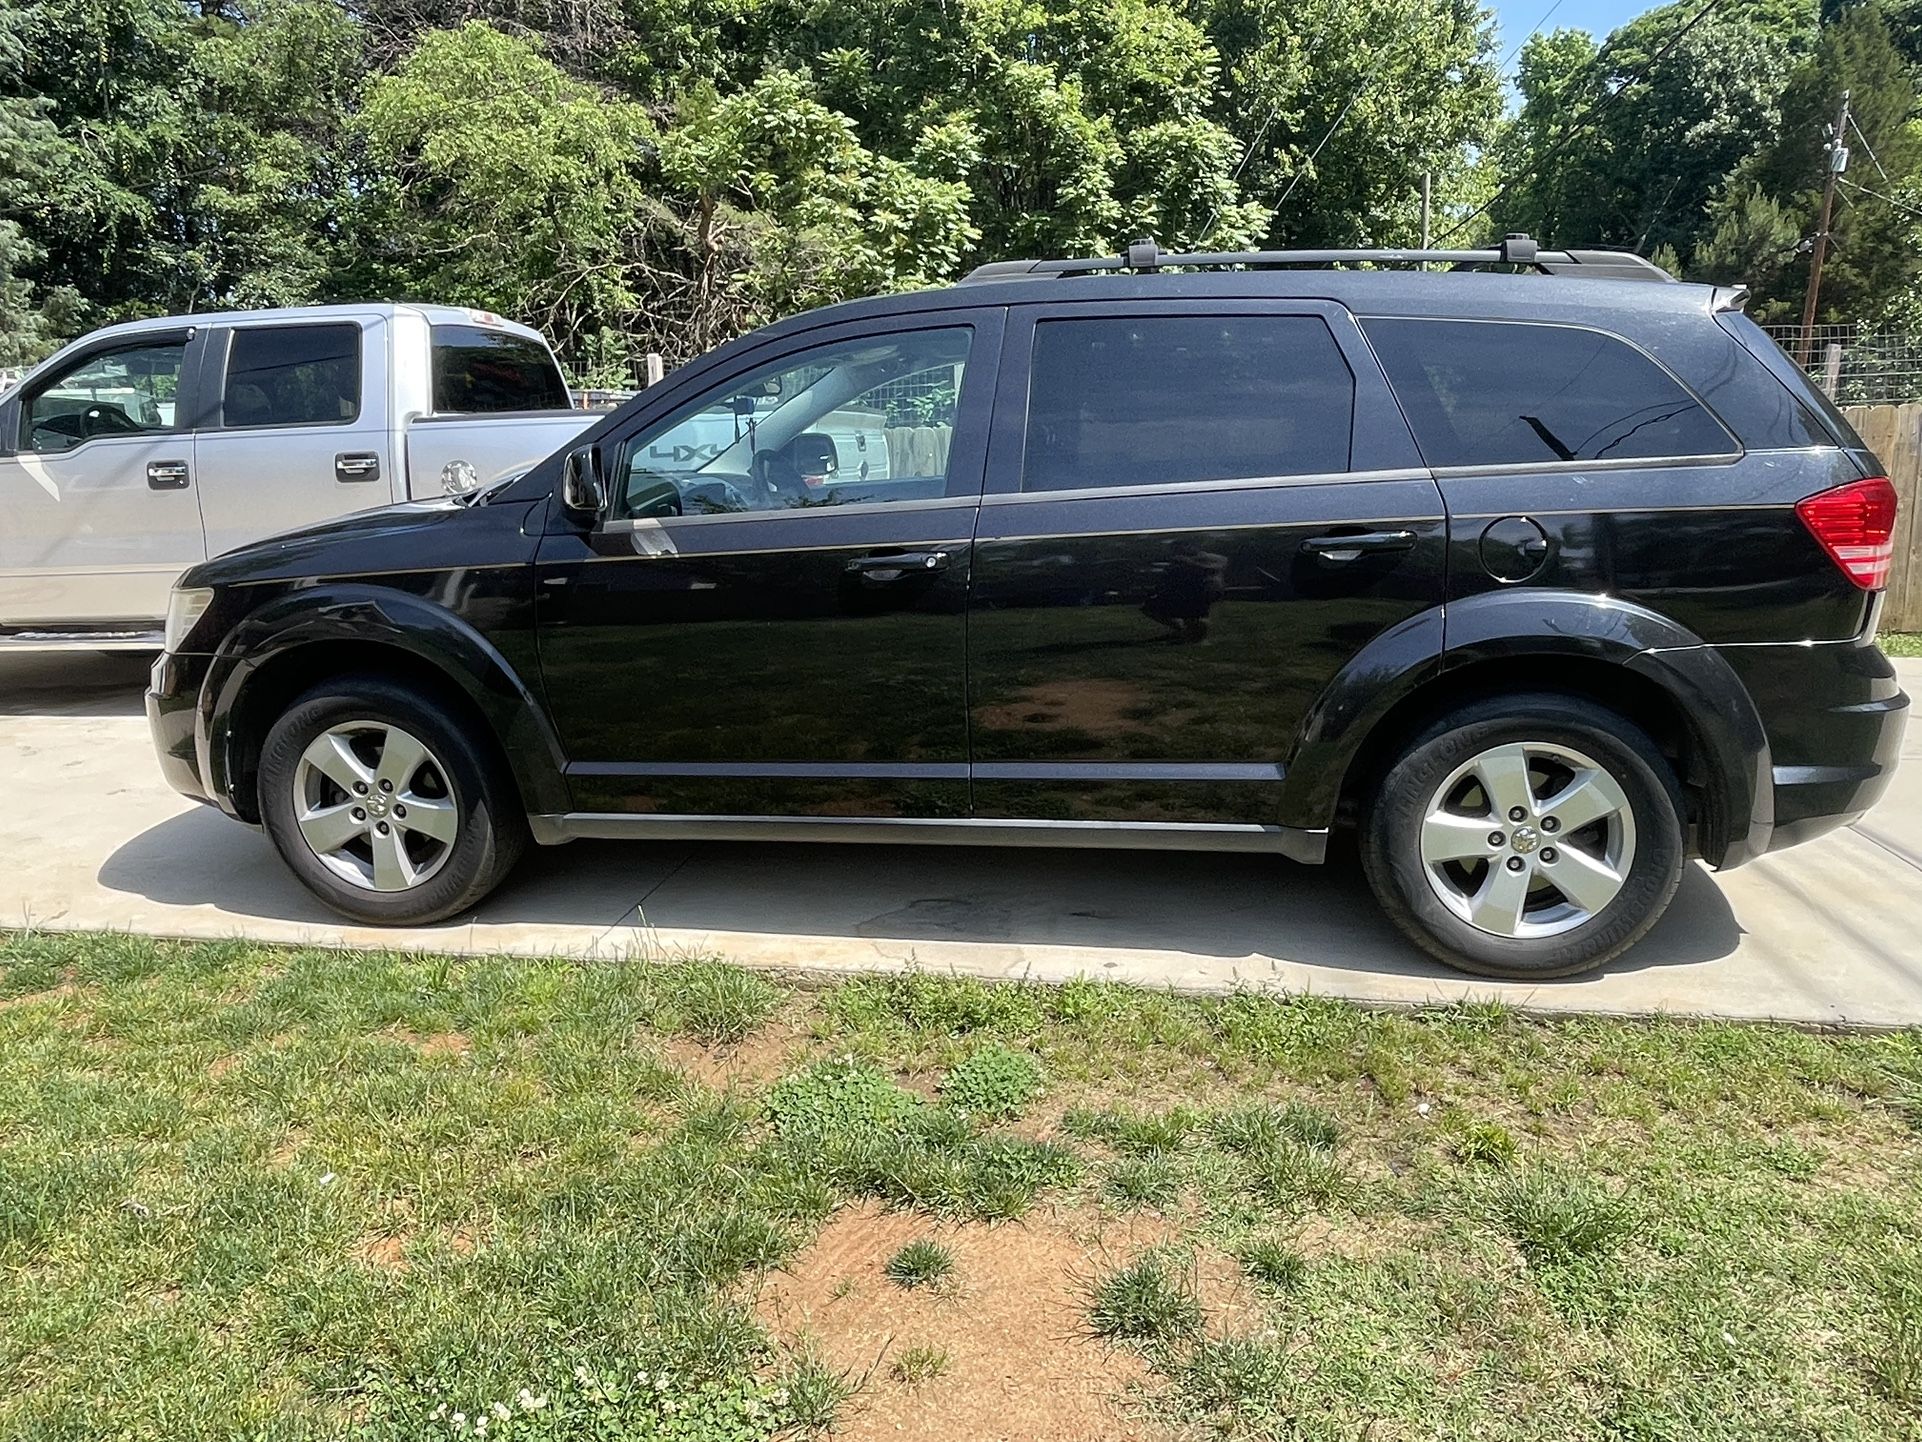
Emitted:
pixel 1520 625
pixel 449 649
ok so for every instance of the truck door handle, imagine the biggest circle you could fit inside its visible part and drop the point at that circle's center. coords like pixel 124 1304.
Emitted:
pixel 893 565
pixel 356 466
pixel 166 475
pixel 1349 548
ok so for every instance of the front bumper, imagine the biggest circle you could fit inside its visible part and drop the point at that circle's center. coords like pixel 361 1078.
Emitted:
pixel 1835 714
pixel 173 704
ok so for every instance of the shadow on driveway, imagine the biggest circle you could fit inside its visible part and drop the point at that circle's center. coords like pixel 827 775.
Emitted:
pixel 1228 906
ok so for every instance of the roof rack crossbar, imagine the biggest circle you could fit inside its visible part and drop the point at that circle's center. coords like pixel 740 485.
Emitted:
pixel 1145 255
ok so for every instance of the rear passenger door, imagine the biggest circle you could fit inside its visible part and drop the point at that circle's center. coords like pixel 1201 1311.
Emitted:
pixel 1197 514
pixel 296 430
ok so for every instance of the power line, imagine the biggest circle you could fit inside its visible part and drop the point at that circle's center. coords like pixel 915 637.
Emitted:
pixel 1308 164
pixel 1888 200
pixel 1596 112
pixel 1548 15
pixel 1856 126
pixel 1274 109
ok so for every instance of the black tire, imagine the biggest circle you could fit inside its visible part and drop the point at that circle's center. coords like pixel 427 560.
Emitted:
pixel 492 828
pixel 1391 835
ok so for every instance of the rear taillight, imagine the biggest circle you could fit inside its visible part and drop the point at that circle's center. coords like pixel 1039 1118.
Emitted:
pixel 1856 526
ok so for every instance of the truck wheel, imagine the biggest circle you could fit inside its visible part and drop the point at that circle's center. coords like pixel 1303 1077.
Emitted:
pixel 381 804
pixel 1526 837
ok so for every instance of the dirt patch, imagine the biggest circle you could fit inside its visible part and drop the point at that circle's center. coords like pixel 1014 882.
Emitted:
pixel 442 1043
pixel 288 1152
pixel 464 1240
pixel 1361 1239
pixel 1013 1322
pixel 62 991
pixel 220 1066
pixel 383 1254
pixel 752 1061
pixel 1095 706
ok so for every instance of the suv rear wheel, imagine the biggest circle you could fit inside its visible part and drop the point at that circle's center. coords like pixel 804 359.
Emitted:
pixel 383 806
pixel 1537 836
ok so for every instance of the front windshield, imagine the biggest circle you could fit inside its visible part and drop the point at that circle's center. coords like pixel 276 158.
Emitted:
pixel 869 419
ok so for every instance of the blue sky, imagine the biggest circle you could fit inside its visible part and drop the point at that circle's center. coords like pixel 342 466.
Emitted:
pixel 1518 17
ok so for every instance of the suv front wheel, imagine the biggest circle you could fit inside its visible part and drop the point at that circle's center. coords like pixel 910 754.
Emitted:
pixel 384 806
pixel 1526 837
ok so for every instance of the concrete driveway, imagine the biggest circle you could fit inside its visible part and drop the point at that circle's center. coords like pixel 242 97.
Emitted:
pixel 91 837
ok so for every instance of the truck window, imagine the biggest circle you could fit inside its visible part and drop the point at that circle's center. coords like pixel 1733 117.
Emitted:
pixel 1160 400
pixel 1513 393
pixel 478 369
pixel 292 375
pixel 114 393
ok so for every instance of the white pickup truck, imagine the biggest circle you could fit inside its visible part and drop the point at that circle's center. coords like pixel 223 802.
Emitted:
pixel 143 448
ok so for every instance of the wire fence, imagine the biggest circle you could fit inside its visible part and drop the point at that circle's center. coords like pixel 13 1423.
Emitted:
pixel 1857 365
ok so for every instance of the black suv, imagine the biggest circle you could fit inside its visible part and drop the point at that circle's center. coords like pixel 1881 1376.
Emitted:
pixel 1542 571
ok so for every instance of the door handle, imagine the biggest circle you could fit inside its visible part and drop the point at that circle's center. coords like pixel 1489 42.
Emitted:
pixel 1349 548
pixel 167 475
pixel 356 466
pixel 894 565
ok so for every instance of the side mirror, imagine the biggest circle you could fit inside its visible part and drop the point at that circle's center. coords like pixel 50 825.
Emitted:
pixel 581 487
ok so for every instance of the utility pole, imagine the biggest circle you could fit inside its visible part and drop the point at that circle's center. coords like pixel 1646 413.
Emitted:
pixel 1838 161
pixel 1427 183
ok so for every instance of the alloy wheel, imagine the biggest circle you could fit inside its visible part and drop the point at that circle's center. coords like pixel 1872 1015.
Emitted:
pixel 373 804
pixel 1528 839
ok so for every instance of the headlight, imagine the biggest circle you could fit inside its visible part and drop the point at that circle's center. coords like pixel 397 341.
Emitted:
pixel 185 607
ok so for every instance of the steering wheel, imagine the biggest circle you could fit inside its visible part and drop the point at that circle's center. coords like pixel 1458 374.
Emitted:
pixel 715 496
pixel 102 420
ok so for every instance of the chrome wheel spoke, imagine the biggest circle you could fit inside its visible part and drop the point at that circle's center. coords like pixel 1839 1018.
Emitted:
pixel 393 869
pixel 1586 881
pixel 430 816
pixel 1503 773
pixel 400 758
pixel 331 827
pixel 1592 796
pixel 1497 907
pixel 334 758
pixel 1450 836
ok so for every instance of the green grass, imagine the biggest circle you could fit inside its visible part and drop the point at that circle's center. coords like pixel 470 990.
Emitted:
pixel 920 1363
pixel 1900 643
pixel 921 1263
pixel 279 1194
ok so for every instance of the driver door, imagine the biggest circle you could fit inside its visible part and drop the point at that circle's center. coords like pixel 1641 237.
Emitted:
pixel 98 509
pixel 771 618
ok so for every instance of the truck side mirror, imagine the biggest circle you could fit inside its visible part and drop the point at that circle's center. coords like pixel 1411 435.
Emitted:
pixel 581 487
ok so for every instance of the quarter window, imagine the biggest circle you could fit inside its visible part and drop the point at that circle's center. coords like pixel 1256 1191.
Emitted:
pixel 1155 400
pixel 297 375
pixel 126 392
pixel 480 369
pixel 858 421
pixel 1499 393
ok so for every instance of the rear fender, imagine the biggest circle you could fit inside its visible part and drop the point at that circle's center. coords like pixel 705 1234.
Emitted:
pixel 1391 681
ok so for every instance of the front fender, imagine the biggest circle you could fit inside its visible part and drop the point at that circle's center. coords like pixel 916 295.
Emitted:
pixel 1514 628
pixel 448 649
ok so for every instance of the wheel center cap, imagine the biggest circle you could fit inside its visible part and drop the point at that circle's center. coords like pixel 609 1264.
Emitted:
pixel 376 805
pixel 1525 839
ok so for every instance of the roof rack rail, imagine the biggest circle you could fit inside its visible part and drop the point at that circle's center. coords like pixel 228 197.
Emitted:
pixel 1146 256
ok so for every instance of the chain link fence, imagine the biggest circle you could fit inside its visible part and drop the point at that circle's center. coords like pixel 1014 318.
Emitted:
pixel 1856 365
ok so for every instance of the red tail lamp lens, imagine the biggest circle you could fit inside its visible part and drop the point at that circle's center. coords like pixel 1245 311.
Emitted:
pixel 1856 526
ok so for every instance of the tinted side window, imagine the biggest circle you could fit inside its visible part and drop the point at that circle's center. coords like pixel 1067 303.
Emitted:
pixel 1486 393
pixel 1154 400
pixel 478 369
pixel 293 375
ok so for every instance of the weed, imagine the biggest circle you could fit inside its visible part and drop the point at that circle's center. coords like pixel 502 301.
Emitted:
pixel 718 1003
pixel 1255 1129
pixel 1234 1375
pixel 1897 1366
pixel 921 1263
pixel 1554 1216
pixel 1273 1264
pixel 993 1081
pixel 1149 1181
pixel 1297 1177
pixel 842 1098
pixel 920 1363
pixel 814 1392
pixel 1485 1143
pixel 1146 1301
pixel 1136 1134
